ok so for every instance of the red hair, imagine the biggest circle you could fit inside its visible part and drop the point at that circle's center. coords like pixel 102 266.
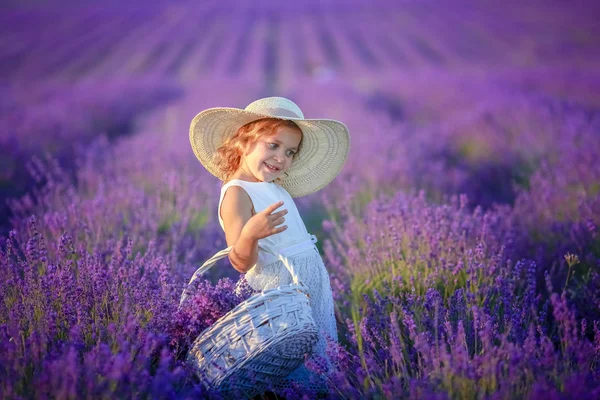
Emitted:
pixel 228 157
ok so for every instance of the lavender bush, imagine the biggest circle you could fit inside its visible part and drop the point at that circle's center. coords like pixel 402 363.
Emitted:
pixel 462 319
pixel 97 318
pixel 56 119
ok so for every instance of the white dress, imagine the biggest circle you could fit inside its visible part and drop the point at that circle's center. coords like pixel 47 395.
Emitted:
pixel 298 245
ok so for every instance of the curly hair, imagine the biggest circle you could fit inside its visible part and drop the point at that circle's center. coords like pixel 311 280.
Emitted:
pixel 228 157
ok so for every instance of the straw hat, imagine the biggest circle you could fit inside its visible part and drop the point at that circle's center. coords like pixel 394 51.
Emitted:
pixel 325 142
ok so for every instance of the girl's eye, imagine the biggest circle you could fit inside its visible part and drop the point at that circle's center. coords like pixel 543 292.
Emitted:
pixel 273 146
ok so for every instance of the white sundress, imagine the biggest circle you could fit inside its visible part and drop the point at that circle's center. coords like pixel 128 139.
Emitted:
pixel 298 245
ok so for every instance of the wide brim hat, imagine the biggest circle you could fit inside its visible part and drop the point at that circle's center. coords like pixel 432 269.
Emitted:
pixel 325 142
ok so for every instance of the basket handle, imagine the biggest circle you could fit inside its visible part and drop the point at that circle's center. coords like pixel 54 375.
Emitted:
pixel 222 254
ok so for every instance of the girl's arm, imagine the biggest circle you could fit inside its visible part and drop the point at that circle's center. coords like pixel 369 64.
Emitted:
pixel 243 229
pixel 236 210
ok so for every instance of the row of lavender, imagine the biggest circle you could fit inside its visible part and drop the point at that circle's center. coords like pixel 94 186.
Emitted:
pixel 498 302
pixel 435 295
pixel 56 119
pixel 187 40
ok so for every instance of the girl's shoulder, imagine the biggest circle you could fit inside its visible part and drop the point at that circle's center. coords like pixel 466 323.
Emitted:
pixel 253 190
pixel 236 201
pixel 260 192
pixel 252 186
pixel 257 187
pixel 239 182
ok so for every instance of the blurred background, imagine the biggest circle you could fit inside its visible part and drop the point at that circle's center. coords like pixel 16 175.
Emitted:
pixel 444 96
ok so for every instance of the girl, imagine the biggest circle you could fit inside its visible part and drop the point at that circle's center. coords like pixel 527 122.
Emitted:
pixel 265 155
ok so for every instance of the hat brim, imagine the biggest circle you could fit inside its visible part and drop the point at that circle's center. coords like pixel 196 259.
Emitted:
pixel 325 146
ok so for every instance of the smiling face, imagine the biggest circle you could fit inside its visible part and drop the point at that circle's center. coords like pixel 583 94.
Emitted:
pixel 271 155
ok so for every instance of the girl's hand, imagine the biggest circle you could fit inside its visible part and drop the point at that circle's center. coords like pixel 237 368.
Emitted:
pixel 265 223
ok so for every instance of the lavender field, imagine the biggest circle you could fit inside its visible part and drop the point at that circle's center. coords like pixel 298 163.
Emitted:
pixel 462 236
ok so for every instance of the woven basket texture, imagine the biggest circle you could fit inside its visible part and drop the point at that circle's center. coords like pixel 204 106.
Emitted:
pixel 259 342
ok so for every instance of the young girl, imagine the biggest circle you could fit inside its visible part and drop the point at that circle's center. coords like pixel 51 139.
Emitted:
pixel 265 155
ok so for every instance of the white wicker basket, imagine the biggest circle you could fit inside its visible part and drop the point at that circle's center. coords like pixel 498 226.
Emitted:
pixel 259 342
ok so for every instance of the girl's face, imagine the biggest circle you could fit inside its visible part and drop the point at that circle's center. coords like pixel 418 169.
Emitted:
pixel 271 156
